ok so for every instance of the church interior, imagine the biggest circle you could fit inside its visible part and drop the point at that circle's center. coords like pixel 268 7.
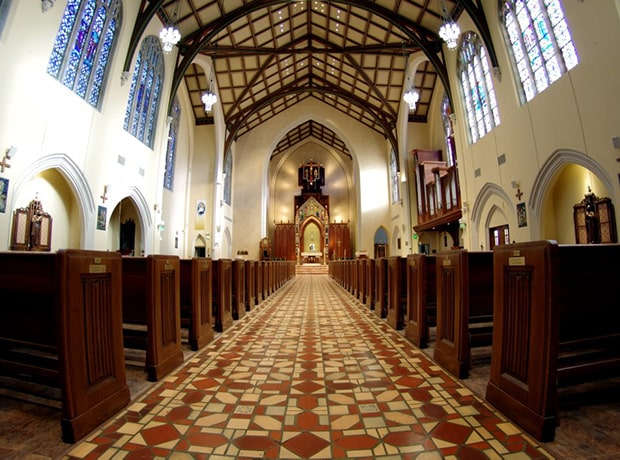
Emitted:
pixel 263 218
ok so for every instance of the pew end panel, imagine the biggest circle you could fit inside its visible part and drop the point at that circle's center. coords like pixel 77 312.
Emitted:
pixel 421 298
pixel 196 300
pixel 381 287
pixel 370 284
pixel 397 292
pixel 152 311
pixel 164 352
pixel 250 285
pixel 464 307
pixel 222 294
pixel 67 328
pixel 92 364
pixel 238 289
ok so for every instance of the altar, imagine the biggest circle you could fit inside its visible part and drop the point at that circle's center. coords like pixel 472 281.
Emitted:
pixel 311 257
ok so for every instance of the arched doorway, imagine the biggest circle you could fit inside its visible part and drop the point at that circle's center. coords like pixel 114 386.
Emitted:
pixel 311 241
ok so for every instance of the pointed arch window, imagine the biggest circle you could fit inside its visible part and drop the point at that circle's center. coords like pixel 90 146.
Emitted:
pixel 448 130
pixel 171 150
pixel 85 40
pixel 394 177
pixel 477 87
pixel 145 91
pixel 540 43
pixel 227 178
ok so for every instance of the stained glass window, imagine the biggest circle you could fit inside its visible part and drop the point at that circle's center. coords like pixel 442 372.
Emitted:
pixel 145 91
pixel 227 178
pixel 540 43
pixel 171 151
pixel 85 40
pixel 477 87
pixel 448 130
pixel 394 177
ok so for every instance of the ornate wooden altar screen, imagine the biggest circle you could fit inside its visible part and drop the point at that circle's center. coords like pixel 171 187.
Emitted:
pixel 32 228
pixel 594 220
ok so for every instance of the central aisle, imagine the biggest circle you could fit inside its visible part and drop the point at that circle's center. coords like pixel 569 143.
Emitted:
pixel 309 373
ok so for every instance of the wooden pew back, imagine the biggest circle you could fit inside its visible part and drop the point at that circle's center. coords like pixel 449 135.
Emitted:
pixel 196 300
pixel 464 301
pixel 69 305
pixel 151 298
pixel 556 323
pixel 421 298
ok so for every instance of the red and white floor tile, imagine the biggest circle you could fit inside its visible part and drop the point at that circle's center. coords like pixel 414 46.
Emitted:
pixel 310 373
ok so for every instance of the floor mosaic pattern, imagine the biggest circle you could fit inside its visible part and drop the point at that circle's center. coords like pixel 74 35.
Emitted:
pixel 309 374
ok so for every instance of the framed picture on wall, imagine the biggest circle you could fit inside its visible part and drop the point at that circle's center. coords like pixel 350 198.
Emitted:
pixel 102 218
pixel 521 215
pixel 4 192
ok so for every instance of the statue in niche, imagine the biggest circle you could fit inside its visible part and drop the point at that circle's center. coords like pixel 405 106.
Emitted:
pixel 32 228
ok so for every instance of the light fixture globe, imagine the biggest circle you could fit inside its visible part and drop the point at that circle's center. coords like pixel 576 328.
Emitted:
pixel 169 37
pixel 209 99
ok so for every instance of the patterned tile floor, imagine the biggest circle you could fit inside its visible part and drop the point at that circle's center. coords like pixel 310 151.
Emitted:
pixel 309 374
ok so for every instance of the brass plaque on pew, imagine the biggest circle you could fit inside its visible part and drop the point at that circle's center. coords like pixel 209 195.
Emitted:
pixel 97 268
pixel 516 261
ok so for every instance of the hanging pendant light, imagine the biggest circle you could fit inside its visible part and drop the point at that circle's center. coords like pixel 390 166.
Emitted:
pixel 449 30
pixel 411 97
pixel 170 34
pixel 209 98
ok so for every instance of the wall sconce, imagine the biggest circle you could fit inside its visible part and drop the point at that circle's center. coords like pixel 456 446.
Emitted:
pixel 8 154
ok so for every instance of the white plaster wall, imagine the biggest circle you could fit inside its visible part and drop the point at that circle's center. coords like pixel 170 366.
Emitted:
pixel 251 167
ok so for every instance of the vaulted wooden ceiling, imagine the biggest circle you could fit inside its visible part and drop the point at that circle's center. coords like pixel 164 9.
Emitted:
pixel 269 55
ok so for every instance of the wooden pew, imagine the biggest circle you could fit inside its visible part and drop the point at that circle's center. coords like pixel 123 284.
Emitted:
pixel 421 298
pixel 250 285
pixel 62 325
pixel 196 300
pixel 464 307
pixel 152 311
pixel 557 323
pixel 397 291
pixel 370 284
pixel 238 289
pixel 381 287
pixel 222 294
pixel 259 286
pixel 361 280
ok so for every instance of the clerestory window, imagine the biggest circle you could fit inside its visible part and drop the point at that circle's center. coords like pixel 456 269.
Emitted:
pixel 539 41
pixel 477 87
pixel 84 43
pixel 145 92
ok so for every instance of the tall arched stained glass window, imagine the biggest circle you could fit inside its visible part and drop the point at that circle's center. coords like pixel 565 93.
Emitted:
pixel 83 46
pixel 394 176
pixel 477 87
pixel 145 91
pixel 171 151
pixel 227 178
pixel 541 45
pixel 448 130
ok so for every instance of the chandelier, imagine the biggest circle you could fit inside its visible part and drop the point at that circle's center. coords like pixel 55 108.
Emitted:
pixel 411 97
pixel 209 98
pixel 449 30
pixel 170 35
